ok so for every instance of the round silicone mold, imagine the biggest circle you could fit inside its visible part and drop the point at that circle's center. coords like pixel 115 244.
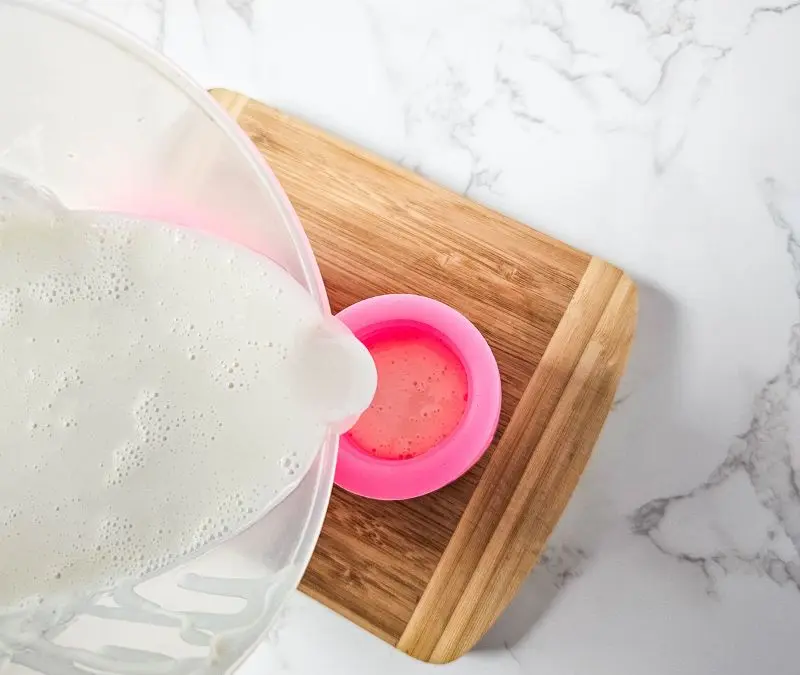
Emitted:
pixel 437 404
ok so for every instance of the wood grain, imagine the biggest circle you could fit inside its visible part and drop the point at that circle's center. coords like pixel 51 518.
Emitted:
pixel 431 575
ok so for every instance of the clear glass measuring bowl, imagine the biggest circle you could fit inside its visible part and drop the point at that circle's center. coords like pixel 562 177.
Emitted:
pixel 106 123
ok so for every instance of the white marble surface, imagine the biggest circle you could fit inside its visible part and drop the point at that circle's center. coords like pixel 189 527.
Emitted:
pixel 663 135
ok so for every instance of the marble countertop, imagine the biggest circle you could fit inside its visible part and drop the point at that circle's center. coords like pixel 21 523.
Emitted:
pixel 663 135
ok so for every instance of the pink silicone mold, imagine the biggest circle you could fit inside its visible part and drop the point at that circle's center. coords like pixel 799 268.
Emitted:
pixel 437 404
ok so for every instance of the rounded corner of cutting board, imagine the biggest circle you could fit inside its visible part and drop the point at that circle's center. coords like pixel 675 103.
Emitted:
pixel 225 96
pixel 232 102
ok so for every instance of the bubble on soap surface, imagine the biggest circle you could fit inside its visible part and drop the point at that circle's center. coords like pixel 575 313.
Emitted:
pixel 132 435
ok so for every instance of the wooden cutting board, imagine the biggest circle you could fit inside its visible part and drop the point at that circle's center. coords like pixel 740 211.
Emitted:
pixel 431 575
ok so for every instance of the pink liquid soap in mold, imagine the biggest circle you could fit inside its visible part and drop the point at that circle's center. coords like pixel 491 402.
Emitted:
pixel 437 404
pixel 421 398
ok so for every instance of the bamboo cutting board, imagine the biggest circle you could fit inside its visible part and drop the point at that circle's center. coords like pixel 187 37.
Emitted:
pixel 431 575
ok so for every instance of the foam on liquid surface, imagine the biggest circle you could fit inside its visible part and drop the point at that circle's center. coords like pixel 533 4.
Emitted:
pixel 156 394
